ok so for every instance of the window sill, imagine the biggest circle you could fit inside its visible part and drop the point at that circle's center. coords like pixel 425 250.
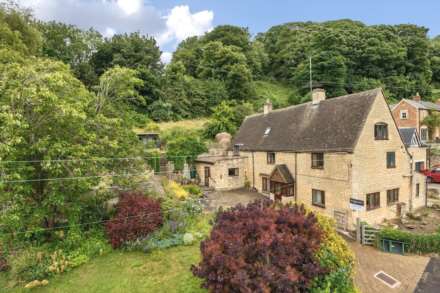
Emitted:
pixel 318 205
pixel 392 204
pixel 380 138
pixel 372 209
pixel 394 167
pixel 318 168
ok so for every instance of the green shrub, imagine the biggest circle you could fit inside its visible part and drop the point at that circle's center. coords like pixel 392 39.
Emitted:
pixel 29 264
pixel 193 189
pixel 75 248
pixel 415 243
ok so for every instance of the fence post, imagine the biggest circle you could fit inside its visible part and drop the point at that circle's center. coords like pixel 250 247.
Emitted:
pixel 358 230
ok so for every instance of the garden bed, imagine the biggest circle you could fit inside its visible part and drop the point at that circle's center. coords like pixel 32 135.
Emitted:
pixel 424 220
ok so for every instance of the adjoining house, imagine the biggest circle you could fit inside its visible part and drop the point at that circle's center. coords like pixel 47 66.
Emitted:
pixel 342 156
pixel 411 113
pixel 419 154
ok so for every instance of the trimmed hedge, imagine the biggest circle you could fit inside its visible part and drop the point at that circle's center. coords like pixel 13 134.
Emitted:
pixel 416 243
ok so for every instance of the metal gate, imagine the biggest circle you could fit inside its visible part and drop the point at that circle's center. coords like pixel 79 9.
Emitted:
pixel 368 234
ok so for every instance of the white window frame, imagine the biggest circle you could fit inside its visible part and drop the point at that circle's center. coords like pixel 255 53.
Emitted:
pixel 404 112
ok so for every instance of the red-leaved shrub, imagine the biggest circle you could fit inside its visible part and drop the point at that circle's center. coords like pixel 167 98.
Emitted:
pixel 260 248
pixel 136 216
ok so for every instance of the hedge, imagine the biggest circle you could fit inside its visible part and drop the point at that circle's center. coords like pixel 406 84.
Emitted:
pixel 416 243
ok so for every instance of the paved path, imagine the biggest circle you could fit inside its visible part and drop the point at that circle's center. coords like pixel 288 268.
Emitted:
pixel 406 269
pixel 430 281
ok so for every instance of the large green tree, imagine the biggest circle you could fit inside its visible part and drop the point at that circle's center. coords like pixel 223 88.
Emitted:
pixel 397 57
pixel 52 139
pixel 17 30
pixel 73 46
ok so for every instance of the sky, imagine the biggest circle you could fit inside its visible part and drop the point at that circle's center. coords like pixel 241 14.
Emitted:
pixel 171 21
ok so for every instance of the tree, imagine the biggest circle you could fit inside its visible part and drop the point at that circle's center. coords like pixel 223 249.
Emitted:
pixel 228 64
pixel 230 35
pixel 50 125
pixel 260 248
pixel 239 83
pixel 183 146
pixel 435 59
pixel 133 50
pixel 227 117
pixel 189 52
pixel 222 120
pixel 73 46
pixel 392 55
pixel 118 88
pixel 17 31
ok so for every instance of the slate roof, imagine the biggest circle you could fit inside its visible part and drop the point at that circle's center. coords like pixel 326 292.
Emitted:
pixel 332 125
pixel 423 105
pixel 409 136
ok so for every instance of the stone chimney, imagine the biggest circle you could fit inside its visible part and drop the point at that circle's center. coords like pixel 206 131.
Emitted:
pixel 417 98
pixel 318 95
pixel 267 107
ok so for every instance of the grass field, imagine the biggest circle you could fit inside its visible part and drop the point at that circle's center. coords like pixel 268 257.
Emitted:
pixel 276 92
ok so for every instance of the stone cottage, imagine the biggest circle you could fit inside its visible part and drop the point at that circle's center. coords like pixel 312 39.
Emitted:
pixel 342 156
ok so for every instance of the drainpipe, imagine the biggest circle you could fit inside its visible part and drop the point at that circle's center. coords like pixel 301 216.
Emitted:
pixel 253 171
pixel 296 178
pixel 428 153
pixel 411 178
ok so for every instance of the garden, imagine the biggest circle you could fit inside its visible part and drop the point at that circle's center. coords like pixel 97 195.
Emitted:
pixel 170 244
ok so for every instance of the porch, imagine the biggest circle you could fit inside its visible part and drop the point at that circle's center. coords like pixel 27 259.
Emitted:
pixel 280 183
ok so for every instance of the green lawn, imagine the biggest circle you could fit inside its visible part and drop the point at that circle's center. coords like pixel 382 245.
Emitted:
pixel 165 270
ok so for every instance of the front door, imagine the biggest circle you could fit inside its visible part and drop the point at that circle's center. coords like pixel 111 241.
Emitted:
pixel 207 176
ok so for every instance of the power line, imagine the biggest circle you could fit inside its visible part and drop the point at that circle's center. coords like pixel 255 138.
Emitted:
pixel 103 159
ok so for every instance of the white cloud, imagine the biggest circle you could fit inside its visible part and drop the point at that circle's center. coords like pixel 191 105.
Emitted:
pixel 109 32
pixel 121 16
pixel 130 6
pixel 181 24
pixel 166 57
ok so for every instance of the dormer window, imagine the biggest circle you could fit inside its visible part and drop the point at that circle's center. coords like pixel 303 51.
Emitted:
pixel 267 131
pixel 381 131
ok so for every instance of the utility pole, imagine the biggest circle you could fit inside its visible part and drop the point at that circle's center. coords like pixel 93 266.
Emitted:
pixel 310 74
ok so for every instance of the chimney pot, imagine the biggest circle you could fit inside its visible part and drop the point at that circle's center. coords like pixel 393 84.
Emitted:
pixel 318 95
pixel 267 107
pixel 417 97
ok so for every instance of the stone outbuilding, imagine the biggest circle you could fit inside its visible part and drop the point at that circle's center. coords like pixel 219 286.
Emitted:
pixel 220 168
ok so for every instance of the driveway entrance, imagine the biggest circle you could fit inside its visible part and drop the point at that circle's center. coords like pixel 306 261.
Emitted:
pixel 406 269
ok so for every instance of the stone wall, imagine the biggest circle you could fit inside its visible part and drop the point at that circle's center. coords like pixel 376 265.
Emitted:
pixel 370 172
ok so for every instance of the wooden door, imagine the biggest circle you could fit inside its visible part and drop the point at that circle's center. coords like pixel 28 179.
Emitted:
pixel 207 176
